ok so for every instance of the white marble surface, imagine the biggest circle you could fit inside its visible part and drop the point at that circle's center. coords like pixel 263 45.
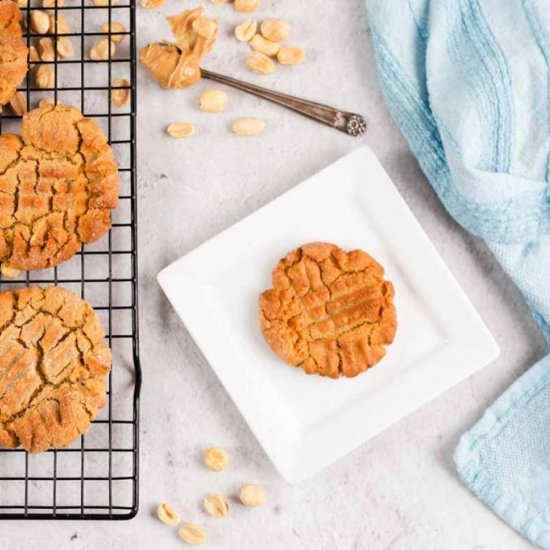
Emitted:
pixel 399 491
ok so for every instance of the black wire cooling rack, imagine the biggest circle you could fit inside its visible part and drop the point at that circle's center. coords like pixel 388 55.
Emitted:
pixel 97 476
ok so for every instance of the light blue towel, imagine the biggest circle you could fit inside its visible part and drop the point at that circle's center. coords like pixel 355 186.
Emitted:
pixel 468 83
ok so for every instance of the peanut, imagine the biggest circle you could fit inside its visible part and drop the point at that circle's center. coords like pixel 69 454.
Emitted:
pixel 248 126
pixel 40 22
pixel 33 55
pixel 102 50
pixel 9 272
pixel 216 506
pixel 167 514
pixel 193 534
pixel 216 459
pixel 105 2
pixel 65 47
pixel 181 129
pixel 259 63
pixel 275 29
pixel 62 25
pixel 213 101
pixel 46 50
pixel 261 44
pixel 247 6
pixel 52 3
pixel 22 3
pixel 18 103
pixel 44 77
pixel 253 495
pixel 245 31
pixel 46 102
pixel 116 31
pixel 120 96
pixel 218 1
pixel 290 55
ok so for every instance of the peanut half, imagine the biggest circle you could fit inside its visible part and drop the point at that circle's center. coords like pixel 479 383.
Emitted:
pixel 65 47
pixel 193 534
pixel 40 22
pixel 216 505
pixel 247 6
pixel 103 49
pixel 275 29
pixel 213 101
pixel 52 3
pixel 261 44
pixel 46 50
pixel 62 25
pixel 152 3
pixel 181 129
pixel 167 514
pixel 18 103
pixel 44 77
pixel 290 55
pixel 120 94
pixel 216 459
pixel 117 30
pixel 253 495
pixel 245 31
pixel 248 126
pixel 259 63
pixel 105 2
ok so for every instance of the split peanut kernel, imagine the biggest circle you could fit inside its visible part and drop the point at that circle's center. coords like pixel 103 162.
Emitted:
pixel 261 44
pixel 275 29
pixel 193 534
pixel 22 3
pixel 33 55
pixel 247 6
pixel 218 1
pixel 52 3
pixel 216 459
pixel 213 101
pixel 253 495
pixel 46 50
pixel 40 22
pixel 290 55
pixel 168 515
pixel 18 103
pixel 117 30
pixel 105 2
pixel 248 126
pixel 216 506
pixel 245 31
pixel 181 129
pixel 65 47
pixel 103 49
pixel 44 77
pixel 120 96
pixel 260 63
pixel 62 25
pixel 9 272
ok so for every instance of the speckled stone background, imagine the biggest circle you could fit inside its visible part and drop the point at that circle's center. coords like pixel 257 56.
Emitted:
pixel 398 491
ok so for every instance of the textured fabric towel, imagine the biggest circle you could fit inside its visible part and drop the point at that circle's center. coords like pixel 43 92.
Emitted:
pixel 468 83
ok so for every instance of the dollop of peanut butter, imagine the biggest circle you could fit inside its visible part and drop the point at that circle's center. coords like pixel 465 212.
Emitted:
pixel 176 65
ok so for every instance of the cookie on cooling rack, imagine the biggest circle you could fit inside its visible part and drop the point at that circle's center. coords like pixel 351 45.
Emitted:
pixel 58 185
pixel 13 50
pixel 330 312
pixel 53 364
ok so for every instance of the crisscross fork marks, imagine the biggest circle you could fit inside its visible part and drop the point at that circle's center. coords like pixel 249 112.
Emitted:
pixel 53 363
pixel 329 312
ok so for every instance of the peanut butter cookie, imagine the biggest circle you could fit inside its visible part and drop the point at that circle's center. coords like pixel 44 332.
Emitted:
pixel 13 51
pixel 53 363
pixel 330 312
pixel 58 184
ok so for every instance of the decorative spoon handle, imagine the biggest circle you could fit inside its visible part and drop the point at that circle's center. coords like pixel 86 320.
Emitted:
pixel 349 123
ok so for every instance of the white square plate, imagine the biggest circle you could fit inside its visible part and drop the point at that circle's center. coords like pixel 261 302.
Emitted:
pixel 306 422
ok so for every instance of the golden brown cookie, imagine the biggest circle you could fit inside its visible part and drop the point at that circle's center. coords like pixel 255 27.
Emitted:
pixel 53 364
pixel 13 50
pixel 58 184
pixel 330 312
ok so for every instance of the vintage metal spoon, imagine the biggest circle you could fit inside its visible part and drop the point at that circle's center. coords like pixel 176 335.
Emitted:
pixel 349 123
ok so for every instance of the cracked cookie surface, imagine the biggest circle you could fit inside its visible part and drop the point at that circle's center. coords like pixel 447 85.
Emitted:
pixel 53 364
pixel 13 50
pixel 58 185
pixel 329 312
